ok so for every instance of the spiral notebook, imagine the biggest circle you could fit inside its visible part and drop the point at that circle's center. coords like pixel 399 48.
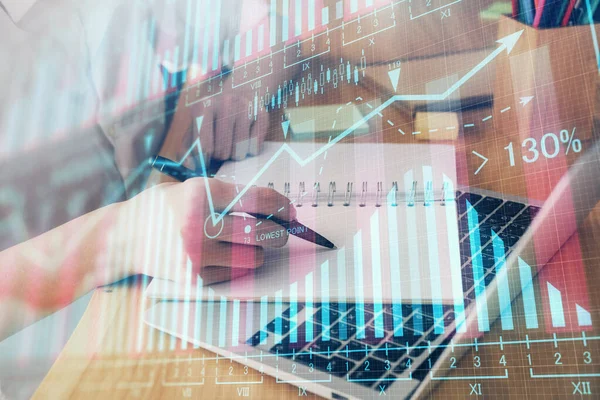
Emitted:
pixel 389 208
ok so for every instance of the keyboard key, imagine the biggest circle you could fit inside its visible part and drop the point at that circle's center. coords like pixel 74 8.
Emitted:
pixel 286 313
pixel 410 338
pixel 416 351
pixel 324 346
pixel 287 349
pixel 405 365
pixel 350 317
pixel 286 325
pixel 426 321
pixel 256 338
pixel 333 315
pixel 370 371
pixel 462 201
pixel 390 351
pixel 356 351
pixel 511 209
pixel 421 372
pixel 487 205
pixel 334 331
pixel 389 321
pixel 370 338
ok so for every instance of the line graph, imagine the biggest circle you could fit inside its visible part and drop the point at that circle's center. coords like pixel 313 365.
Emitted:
pixel 507 43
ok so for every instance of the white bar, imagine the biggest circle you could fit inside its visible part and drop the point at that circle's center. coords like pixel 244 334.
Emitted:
pixel 325 16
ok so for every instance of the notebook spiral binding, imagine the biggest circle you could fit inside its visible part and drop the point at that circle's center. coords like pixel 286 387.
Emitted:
pixel 427 197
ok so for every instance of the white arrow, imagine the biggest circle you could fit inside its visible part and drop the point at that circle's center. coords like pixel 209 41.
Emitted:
pixel 485 160
pixel 525 100
pixel 394 77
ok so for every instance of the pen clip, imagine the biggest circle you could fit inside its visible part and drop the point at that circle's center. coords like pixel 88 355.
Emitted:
pixel 395 194
pixel 315 196
pixel 410 196
pixel 348 194
pixel 331 194
pixel 271 185
pixel 378 195
pixel 300 194
pixel 363 195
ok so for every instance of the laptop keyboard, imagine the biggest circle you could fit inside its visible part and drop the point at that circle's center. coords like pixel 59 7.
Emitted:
pixel 344 349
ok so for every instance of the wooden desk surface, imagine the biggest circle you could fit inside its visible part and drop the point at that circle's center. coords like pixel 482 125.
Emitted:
pixel 113 354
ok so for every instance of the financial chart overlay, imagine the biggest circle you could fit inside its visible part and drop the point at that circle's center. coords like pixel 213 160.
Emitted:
pixel 429 140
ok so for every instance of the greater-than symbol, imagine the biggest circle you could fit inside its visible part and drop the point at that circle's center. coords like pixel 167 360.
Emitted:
pixel 485 160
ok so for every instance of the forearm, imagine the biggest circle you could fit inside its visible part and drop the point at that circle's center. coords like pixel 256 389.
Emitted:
pixel 52 270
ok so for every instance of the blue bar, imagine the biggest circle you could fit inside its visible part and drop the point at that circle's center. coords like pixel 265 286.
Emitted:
pixel 483 321
pixel 226 52
pixel 235 329
pixel 353 6
pixel 285 29
pixel 216 36
pixel 311 15
pixel 198 316
pixel 339 9
pixel 273 24
pixel 341 272
pixel 294 312
pixel 175 75
pixel 325 300
pixel 583 316
pixel 413 252
pixel 264 318
pixel 165 73
pixel 223 323
pixel 395 279
pixel 502 279
pixel 298 18
pixel 529 306
pixel 209 315
pixel 187 298
pixel 358 285
pixel 196 44
pixel 325 16
pixel 236 51
pixel 433 252
pixel 556 306
pixel 376 271
pixel 278 312
pixel 207 14
pixel 186 41
pixel 308 314
pixel 455 262
pixel 369 3
pixel 249 318
pixel 248 43
pixel 261 38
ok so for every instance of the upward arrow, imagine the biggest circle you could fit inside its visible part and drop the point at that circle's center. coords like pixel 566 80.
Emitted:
pixel 507 43
pixel 394 77
pixel 510 40
pixel 199 123
pixel 285 125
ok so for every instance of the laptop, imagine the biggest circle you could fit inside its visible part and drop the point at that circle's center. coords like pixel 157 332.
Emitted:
pixel 355 349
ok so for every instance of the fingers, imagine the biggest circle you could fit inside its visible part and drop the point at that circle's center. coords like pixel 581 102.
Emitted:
pixel 221 254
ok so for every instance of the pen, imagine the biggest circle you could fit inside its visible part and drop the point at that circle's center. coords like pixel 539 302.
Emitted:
pixel 177 171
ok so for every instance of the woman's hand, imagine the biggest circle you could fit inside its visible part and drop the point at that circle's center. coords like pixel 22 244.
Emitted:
pixel 175 235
